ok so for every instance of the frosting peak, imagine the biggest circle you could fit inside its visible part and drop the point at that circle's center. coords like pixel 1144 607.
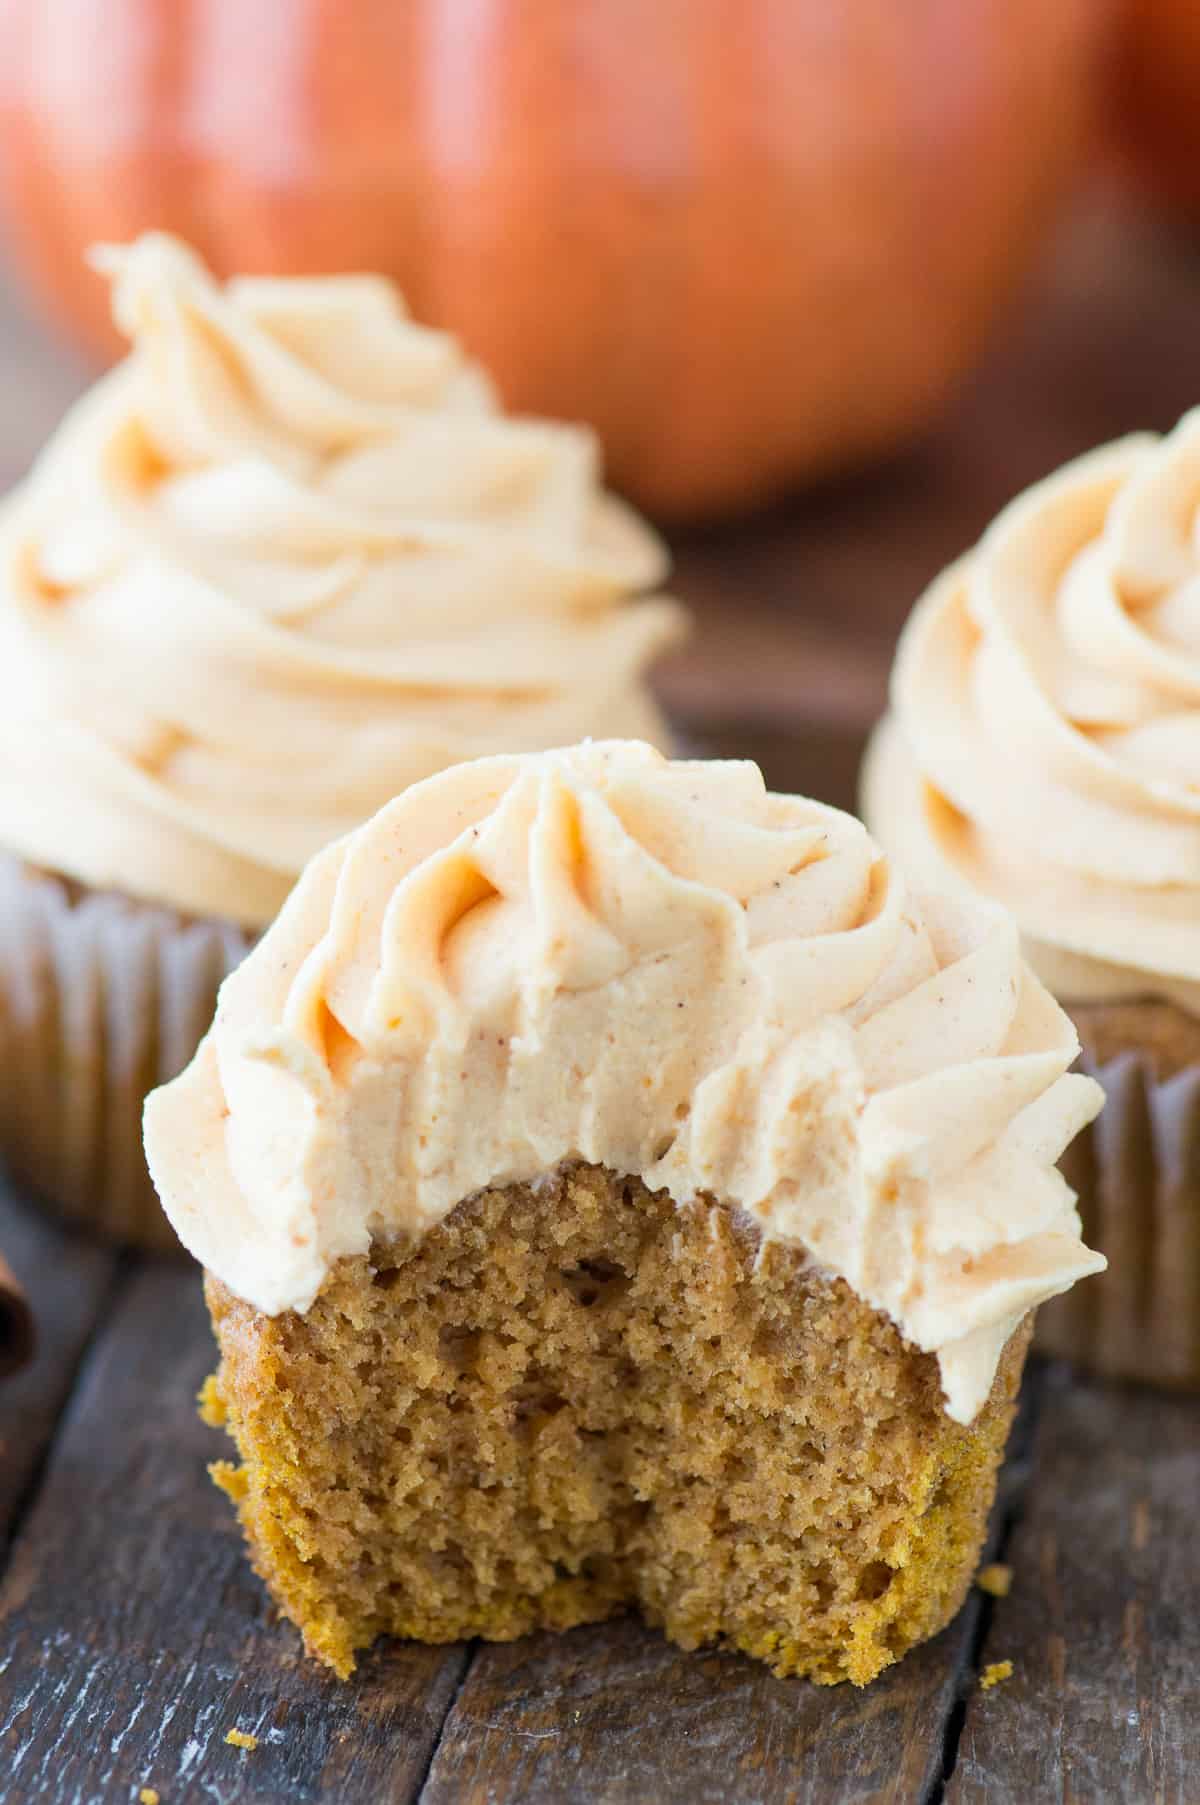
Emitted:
pixel 1044 743
pixel 288 558
pixel 662 968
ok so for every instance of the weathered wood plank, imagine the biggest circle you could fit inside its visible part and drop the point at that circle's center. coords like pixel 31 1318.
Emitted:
pixel 619 1716
pixel 68 1281
pixel 133 1635
pixel 1103 1623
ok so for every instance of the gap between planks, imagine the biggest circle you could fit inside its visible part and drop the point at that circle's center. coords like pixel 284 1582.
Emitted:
pixel 1103 1621
pixel 134 1634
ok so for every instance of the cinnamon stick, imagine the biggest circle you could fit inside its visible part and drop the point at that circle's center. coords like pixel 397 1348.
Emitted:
pixel 16 1324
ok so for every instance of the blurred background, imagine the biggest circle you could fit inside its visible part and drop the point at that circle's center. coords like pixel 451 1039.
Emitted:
pixel 831 278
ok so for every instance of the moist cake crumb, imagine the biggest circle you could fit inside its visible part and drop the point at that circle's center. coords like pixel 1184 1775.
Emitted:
pixel 575 1397
pixel 993 1673
pixel 212 1409
pixel 241 1739
pixel 995 1579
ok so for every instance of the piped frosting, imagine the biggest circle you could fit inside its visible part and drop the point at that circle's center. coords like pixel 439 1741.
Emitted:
pixel 288 558
pixel 657 967
pixel 1043 747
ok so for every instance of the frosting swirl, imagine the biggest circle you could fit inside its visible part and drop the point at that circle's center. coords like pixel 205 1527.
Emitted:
pixel 661 968
pixel 1044 742
pixel 288 558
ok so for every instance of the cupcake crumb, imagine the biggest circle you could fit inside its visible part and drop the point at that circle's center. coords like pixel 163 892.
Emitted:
pixel 231 1480
pixel 241 1739
pixel 995 1579
pixel 212 1405
pixel 993 1673
pixel 148 1796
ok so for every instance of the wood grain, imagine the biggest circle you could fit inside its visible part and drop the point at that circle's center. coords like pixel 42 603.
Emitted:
pixel 1103 1622
pixel 133 1635
pixel 616 1715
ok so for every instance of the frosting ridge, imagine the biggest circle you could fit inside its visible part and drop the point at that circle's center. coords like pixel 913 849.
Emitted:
pixel 659 967
pixel 1043 746
pixel 287 558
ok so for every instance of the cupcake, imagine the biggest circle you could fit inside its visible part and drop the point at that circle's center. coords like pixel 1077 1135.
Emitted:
pixel 616 1190
pixel 288 558
pixel 1043 749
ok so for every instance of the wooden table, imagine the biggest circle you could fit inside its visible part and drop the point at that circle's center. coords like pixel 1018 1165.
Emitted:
pixel 132 1635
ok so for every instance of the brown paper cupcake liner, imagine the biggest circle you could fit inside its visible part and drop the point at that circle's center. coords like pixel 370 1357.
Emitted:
pixel 101 999
pixel 1137 1172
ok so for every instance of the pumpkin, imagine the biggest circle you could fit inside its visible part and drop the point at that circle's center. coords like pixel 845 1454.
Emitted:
pixel 749 240
pixel 1157 86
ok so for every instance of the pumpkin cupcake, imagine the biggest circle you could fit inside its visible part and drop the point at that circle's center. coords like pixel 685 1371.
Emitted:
pixel 1043 749
pixel 618 1191
pixel 287 558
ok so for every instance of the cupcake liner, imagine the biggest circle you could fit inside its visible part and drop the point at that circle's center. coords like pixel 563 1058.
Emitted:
pixel 1137 1171
pixel 101 999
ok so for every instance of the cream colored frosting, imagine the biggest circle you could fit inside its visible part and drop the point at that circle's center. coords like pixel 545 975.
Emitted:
pixel 658 967
pixel 288 558
pixel 1044 741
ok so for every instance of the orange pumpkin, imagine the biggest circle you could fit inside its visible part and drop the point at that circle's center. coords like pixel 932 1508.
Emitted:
pixel 749 240
pixel 1157 74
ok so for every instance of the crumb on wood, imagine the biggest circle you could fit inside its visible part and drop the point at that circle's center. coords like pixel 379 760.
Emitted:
pixel 148 1796
pixel 233 1481
pixel 213 1410
pixel 993 1673
pixel 241 1739
pixel 995 1578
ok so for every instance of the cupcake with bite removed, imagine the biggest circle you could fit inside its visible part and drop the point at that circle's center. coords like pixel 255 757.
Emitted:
pixel 1043 750
pixel 619 1191
pixel 286 559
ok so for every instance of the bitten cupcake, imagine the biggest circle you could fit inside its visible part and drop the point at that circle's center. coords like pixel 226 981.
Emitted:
pixel 619 1191
pixel 1043 749
pixel 288 558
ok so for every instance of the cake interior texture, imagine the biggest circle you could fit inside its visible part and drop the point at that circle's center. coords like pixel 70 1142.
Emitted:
pixel 575 1398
